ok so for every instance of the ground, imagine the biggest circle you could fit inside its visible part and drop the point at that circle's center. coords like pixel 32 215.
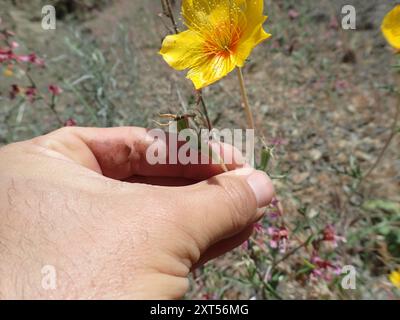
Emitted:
pixel 322 92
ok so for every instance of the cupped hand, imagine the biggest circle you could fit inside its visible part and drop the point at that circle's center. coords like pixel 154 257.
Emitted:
pixel 86 202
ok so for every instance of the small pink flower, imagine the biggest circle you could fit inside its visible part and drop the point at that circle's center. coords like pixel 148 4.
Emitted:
pixel 341 85
pixel 273 244
pixel 70 123
pixel 283 245
pixel 210 296
pixel 293 14
pixel 14 44
pixel 324 269
pixel 274 202
pixel 320 263
pixel 334 23
pixel 31 58
pixel 275 211
pixel 329 235
pixel 278 142
pixel 279 238
pixel 30 93
pixel 5 55
pixel 258 227
pixel 274 214
pixel 337 271
pixel 15 90
pixel 55 90
pixel 24 58
pixel 206 296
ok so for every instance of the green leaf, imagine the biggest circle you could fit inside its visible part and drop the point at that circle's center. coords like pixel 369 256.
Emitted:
pixel 182 124
pixel 266 155
pixel 309 264
pixel 383 205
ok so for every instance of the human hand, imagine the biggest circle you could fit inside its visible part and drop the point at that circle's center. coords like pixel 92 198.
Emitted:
pixel 86 201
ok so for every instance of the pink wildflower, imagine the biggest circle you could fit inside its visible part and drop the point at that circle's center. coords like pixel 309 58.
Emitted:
pixel 70 123
pixel 334 23
pixel 30 93
pixel 258 227
pixel 341 85
pixel 15 90
pixel 293 14
pixel 324 269
pixel 329 234
pixel 31 58
pixel 55 90
pixel 5 55
pixel 279 238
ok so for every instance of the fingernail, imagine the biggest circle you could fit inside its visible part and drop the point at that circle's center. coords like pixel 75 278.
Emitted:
pixel 261 185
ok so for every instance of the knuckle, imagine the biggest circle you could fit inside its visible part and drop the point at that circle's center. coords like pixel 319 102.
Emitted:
pixel 63 131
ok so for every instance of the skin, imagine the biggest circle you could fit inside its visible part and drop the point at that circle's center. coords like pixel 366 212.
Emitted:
pixel 85 201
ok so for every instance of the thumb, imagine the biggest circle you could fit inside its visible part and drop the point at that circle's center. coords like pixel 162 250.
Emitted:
pixel 225 205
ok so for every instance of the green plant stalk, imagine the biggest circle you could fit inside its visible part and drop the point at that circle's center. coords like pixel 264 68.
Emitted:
pixel 245 100
pixel 200 101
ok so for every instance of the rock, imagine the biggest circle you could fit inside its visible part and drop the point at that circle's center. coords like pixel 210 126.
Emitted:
pixel 312 213
pixel 315 154
pixel 300 177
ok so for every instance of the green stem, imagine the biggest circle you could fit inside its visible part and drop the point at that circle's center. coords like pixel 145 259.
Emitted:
pixel 245 100
pixel 200 101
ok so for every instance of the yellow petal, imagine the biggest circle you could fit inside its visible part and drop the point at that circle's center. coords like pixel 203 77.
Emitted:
pixel 254 7
pixel 196 12
pixel 253 33
pixel 181 51
pixel 203 15
pixel 253 15
pixel 246 45
pixel 391 27
pixel 191 7
pixel 210 71
pixel 394 278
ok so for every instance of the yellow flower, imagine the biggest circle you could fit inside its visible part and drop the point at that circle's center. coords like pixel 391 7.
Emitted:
pixel 391 27
pixel 8 72
pixel 394 278
pixel 221 35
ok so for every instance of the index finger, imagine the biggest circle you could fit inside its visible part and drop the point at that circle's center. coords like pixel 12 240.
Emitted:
pixel 121 153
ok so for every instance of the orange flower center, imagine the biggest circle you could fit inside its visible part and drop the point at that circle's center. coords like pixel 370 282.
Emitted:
pixel 222 40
